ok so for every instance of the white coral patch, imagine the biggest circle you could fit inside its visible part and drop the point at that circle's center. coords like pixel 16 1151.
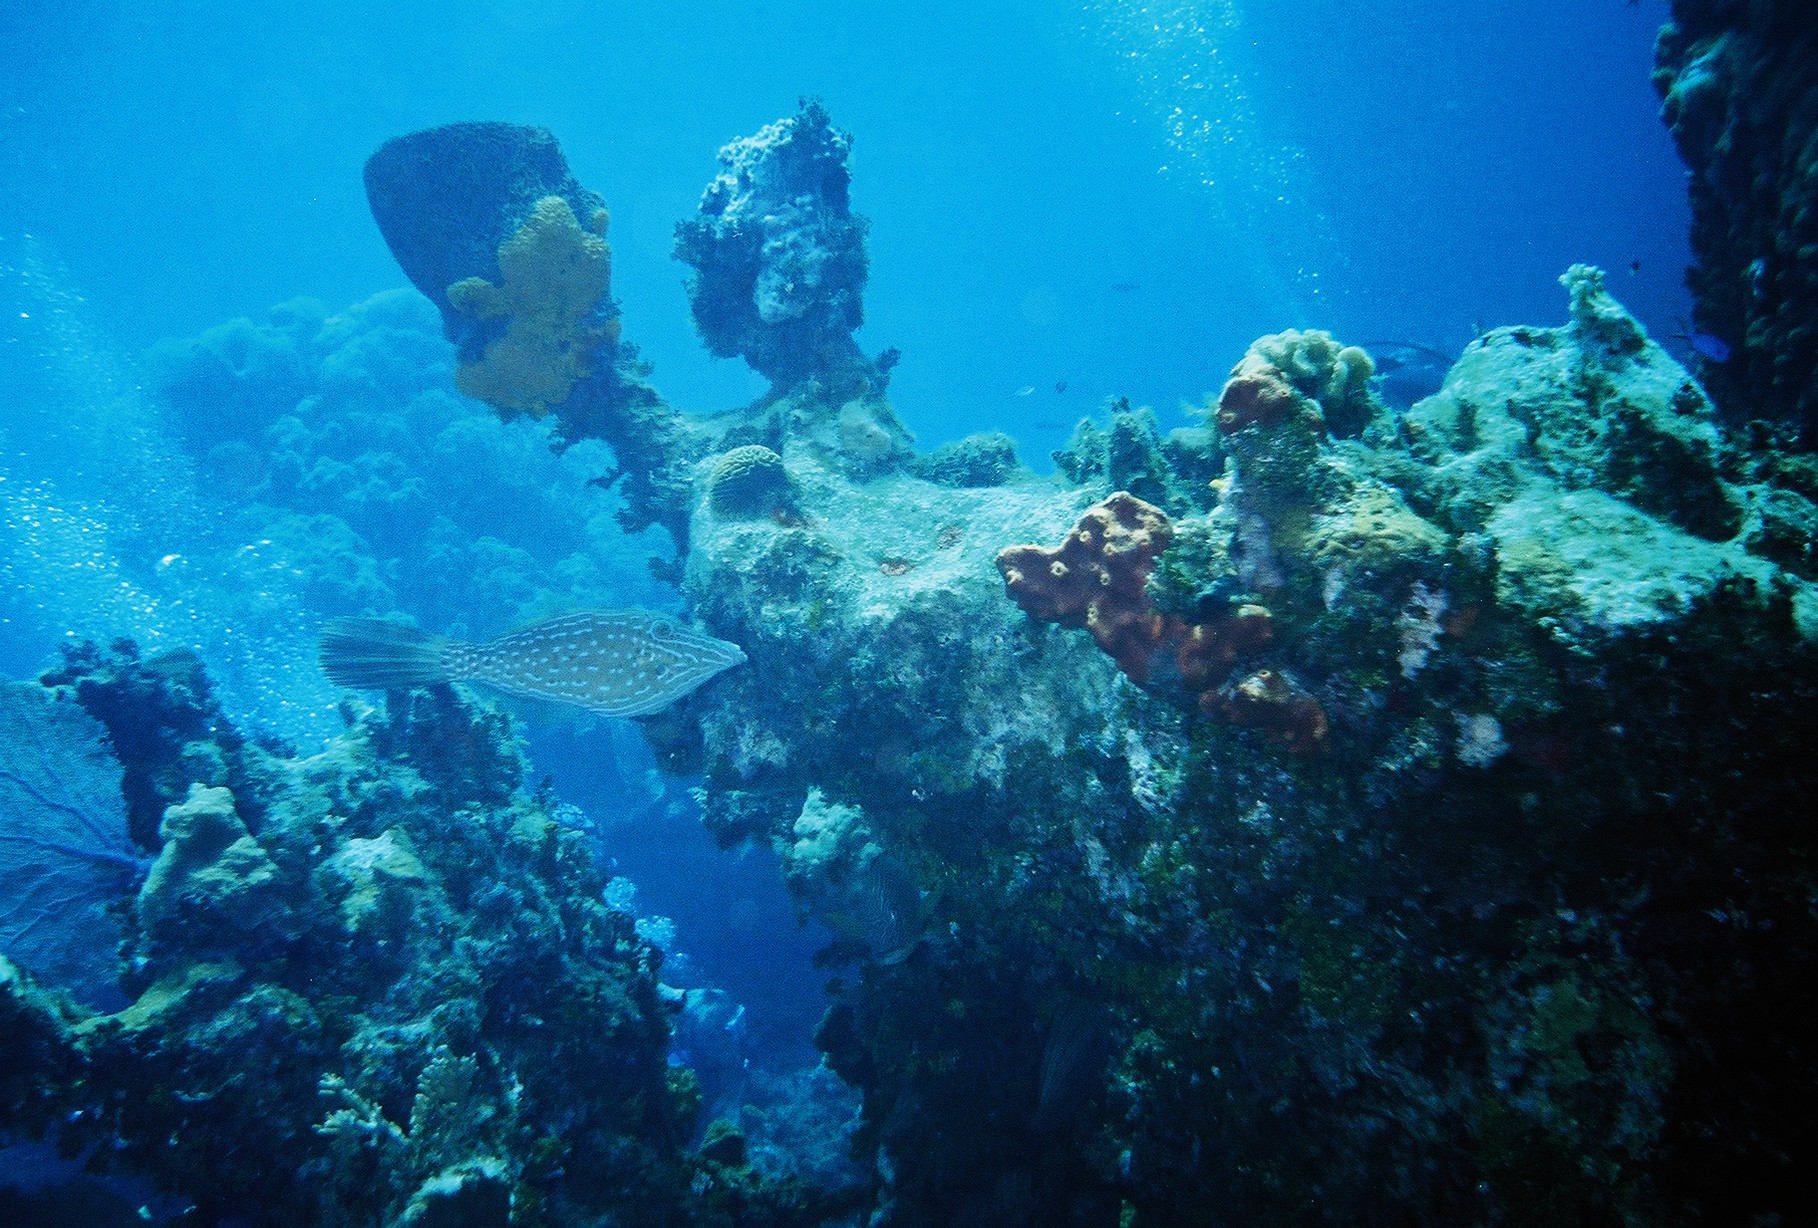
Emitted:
pixel 1480 740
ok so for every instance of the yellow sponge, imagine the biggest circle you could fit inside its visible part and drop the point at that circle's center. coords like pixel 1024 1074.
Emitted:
pixel 553 274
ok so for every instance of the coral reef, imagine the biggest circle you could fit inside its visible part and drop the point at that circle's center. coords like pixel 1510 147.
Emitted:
pixel 375 985
pixel 1416 839
pixel 488 222
pixel 1739 84
pixel 363 475
pixel 836 867
pixel 1606 503
pixel 779 257
pixel 984 459
pixel 1558 685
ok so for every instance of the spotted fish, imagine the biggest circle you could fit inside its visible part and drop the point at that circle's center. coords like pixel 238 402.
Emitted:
pixel 618 662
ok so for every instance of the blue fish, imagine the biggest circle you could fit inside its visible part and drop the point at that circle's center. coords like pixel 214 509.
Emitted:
pixel 1714 348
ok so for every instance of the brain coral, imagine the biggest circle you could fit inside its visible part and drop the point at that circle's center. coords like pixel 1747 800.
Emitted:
pixel 554 303
pixel 749 481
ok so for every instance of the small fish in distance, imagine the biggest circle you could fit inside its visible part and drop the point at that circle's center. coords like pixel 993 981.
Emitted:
pixel 616 662
pixel 1705 345
pixel 1710 346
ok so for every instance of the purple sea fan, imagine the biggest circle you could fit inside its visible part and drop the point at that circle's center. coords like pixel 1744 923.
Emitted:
pixel 65 856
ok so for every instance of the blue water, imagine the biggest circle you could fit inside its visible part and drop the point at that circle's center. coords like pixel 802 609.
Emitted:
pixel 1403 170
pixel 1068 202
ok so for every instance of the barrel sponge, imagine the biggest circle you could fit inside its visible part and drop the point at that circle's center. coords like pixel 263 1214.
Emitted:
pixel 749 481
pixel 554 303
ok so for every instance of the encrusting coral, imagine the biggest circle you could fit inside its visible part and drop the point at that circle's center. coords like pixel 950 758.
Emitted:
pixel 1097 578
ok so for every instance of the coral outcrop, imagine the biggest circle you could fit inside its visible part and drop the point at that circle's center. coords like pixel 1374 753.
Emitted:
pixel 779 257
pixel 1172 471
pixel 487 221
pixel 1739 84
pixel 374 985
pixel 1529 627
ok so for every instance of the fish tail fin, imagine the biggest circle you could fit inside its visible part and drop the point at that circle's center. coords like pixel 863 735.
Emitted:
pixel 374 654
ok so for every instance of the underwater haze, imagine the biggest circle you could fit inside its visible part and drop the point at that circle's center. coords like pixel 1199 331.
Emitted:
pixel 1113 196
pixel 1092 613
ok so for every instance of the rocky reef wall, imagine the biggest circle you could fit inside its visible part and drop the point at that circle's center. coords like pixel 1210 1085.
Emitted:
pixel 378 984
pixel 1334 853
pixel 1739 83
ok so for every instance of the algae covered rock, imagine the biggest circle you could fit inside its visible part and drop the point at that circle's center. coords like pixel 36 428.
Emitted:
pixel 211 872
pixel 987 458
pixel 1591 462
pixel 380 984
pixel 1535 628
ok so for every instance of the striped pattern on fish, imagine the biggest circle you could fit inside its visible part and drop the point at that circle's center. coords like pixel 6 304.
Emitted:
pixel 618 662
